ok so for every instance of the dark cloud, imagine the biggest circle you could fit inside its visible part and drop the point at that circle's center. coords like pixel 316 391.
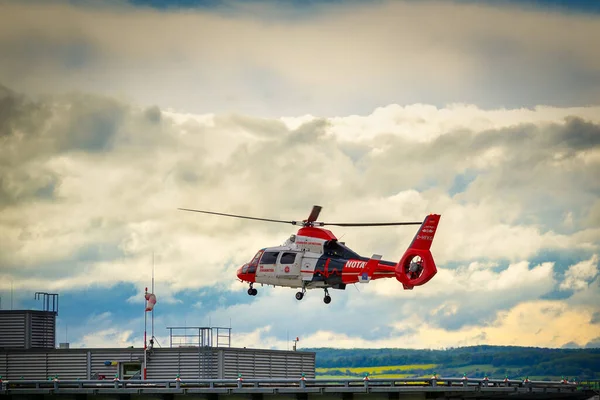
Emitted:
pixel 540 167
pixel 570 345
pixel 577 135
pixel 153 114
pixel 59 124
pixel 593 344
pixel 36 131
pixel 19 115
pixel 308 133
pixel 19 185
pixel 519 58
pixel 89 123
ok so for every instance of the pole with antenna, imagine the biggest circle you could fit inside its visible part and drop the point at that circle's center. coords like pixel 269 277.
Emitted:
pixel 145 328
pixel 152 338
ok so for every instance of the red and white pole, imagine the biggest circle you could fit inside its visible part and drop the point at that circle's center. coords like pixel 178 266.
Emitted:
pixel 145 326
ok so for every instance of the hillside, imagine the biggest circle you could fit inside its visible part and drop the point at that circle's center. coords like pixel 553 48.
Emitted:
pixel 475 361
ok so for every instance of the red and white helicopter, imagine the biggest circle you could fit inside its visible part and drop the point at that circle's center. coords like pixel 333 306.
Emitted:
pixel 313 258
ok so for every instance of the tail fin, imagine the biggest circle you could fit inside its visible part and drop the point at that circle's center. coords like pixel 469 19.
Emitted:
pixel 416 267
pixel 367 273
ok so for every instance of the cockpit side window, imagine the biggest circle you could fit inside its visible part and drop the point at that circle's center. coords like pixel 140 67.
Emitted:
pixel 270 257
pixel 288 258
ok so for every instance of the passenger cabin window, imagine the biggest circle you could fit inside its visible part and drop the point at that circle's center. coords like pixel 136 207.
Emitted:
pixel 270 257
pixel 288 258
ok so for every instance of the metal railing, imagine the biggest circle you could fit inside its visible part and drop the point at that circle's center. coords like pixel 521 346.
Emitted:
pixel 241 385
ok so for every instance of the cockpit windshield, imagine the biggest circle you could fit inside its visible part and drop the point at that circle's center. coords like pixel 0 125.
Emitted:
pixel 250 268
pixel 256 258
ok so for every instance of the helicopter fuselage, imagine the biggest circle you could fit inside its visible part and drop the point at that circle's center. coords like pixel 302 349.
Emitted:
pixel 313 259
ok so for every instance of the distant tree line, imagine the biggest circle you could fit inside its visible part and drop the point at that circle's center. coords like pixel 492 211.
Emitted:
pixel 476 361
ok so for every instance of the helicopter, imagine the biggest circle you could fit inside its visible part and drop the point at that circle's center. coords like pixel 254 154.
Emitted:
pixel 314 258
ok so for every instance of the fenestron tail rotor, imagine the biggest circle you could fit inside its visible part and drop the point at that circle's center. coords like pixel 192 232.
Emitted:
pixel 310 221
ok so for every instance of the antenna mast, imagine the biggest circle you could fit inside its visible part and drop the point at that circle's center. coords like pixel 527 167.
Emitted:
pixel 152 292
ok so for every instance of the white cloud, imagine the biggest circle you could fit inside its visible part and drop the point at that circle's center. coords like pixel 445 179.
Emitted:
pixel 424 123
pixel 579 275
pixel 112 209
pixel 476 280
pixel 107 179
pixel 106 338
pixel 538 323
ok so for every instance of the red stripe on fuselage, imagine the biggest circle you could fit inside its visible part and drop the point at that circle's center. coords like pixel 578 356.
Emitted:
pixel 354 268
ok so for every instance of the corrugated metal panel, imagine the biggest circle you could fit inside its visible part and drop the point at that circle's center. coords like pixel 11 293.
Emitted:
pixel 67 365
pixel 43 330
pixel 29 365
pixel 162 363
pixel 267 364
pixel 208 364
pixel 24 329
pixel 100 356
pixel 12 330
pixel 3 364
pixel 188 363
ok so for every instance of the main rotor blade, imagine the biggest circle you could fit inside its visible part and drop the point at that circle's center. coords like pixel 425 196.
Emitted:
pixel 241 216
pixel 314 214
pixel 368 223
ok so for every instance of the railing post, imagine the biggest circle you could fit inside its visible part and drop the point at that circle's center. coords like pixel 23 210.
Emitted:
pixel 433 379
pixel 527 384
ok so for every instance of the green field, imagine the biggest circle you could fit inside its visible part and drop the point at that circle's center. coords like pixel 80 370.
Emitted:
pixel 384 376
pixel 414 371
pixel 496 362
pixel 388 371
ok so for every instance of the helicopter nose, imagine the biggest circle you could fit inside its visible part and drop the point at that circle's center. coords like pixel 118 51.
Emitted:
pixel 245 274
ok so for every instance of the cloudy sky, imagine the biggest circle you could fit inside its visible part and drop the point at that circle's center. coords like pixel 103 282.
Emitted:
pixel 113 115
